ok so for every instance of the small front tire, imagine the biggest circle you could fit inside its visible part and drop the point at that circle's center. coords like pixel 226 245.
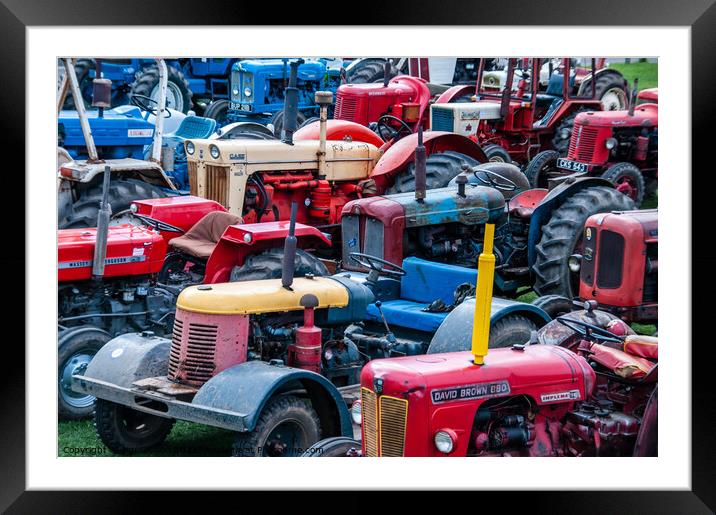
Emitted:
pixel 125 430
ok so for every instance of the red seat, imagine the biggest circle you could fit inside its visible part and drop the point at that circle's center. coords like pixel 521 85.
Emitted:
pixel 200 240
pixel 621 363
pixel 642 346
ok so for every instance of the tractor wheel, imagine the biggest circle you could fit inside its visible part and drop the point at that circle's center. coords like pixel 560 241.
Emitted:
pixel 178 92
pixel 75 349
pixel 121 194
pixel 268 265
pixel 540 168
pixel 554 305
pixel 334 447
pixel 627 179
pixel 277 122
pixel 217 110
pixel 563 132
pixel 287 427
pixel 506 332
pixel 125 430
pixel 369 71
pixel 562 237
pixel 309 121
pixel 441 168
pixel 82 70
pixel 496 154
pixel 612 91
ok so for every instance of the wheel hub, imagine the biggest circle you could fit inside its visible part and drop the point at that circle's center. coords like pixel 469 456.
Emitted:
pixel 76 364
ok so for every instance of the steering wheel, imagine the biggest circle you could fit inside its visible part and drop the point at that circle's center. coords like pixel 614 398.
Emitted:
pixel 374 263
pixel 158 224
pixel 494 180
pixel 588 331
pixel 139 101
pixel 382 124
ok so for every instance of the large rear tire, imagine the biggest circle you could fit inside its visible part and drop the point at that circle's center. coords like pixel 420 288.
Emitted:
pixel 441 169
pixel 268 265
pixel 122 192
pixel 554 305
pixel 496 154
pixel 82 71
pixel 125 430
pixel 506 332
pixel 562 237
pixel 287 426
pixel 277 120
pixel 611 89
pixel 369 71
pixel 178 92
pixel 218 110
pixel 75 349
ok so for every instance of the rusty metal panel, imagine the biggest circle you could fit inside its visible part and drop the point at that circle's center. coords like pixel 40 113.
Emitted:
pixel 374 238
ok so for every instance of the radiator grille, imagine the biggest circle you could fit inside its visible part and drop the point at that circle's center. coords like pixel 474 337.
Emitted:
pixel 346 108
pixel 195 365
pixel 611 259
pixel 217 181
pixel 583 143
pixel 370 422
pixel 442 120
pixel 193 184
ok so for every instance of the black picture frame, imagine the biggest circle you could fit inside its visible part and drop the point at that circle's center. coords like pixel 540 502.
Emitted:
pixel 700 15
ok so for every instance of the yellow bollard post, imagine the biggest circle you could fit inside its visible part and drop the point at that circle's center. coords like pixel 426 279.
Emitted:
pixel 483 297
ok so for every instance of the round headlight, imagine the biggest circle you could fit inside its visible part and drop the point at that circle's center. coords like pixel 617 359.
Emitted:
pixel 247 237
pixel 565 133
pixel 247 92
pixel 133 207
pixel 235 92
pixel 214 151
pixel 574 262
pixel 357 412
pixel 444 441
pixel 610 143
pixel 190 148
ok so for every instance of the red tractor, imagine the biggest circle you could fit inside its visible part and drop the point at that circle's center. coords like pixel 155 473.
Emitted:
pixel 621 146
pixel 575 389
pixel 513 119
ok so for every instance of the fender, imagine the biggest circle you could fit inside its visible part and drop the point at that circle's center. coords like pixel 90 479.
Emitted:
pixel 456 329
pixel 129 358
pixel 422 91
pixel 181 211
pixel 242 240
pixel 238 128
pixel 543 212
pixel 84 171
pixel 402 153
pixel 647 439
pixel 247 387
pixel 455 92
pixel 337 130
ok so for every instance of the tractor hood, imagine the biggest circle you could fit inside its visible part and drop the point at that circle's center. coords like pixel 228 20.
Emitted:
pixel 646 115
pixel 546 373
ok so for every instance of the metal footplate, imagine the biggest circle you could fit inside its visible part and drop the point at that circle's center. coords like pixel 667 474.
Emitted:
pixel 147 396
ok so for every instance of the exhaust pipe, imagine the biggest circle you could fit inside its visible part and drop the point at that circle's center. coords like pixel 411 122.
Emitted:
pixel 323 99
pixel 289 251
pixel 101 91
pixel 505 100
pixel 290 106
pixel 387 67
pixel 420 168
pixel 100 246
pixel 81 113
pixel 632 100
pixel 161 107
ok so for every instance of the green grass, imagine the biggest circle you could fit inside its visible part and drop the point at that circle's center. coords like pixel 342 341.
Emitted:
pixel 647 73
pixel 78 438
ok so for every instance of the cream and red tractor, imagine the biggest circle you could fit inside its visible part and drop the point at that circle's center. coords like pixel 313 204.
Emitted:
pixel 621 146
pixel 574 389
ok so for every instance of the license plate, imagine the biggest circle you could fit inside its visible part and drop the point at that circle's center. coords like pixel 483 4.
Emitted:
pixel 573 166
pixel 240 107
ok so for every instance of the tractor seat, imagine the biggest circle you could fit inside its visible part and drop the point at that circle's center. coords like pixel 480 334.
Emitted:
pixel 642 346
pixel 200 240
pixel 194 127
pixel 524 203
pixel 623 364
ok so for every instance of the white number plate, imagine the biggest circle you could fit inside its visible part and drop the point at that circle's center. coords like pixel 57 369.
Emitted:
pixel 574 166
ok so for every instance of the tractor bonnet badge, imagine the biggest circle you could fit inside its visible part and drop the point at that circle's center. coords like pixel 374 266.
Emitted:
pixel 571 395
pixel 470 391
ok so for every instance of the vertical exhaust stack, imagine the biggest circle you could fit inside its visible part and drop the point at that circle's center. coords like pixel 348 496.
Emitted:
pixel 161 107
pixel 290 106
pixel 100 246
pixel 81 113
pixel 507 91
pixel 101 91
pixel 387 68
pixel 289 251
pixel 632 100
pixel 323 99
pixel 420 168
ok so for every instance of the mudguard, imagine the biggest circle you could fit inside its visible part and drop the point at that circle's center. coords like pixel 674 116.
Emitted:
pixel 456 329
pixel 337 130
pixel 455 92
pixel 129 358
pixel 402 153
pixel 247 387
pixel 543 212
pixel 236 129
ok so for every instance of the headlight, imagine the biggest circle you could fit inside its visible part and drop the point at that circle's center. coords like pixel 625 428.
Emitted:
pixel 247 237
pixel 610 143
pixel 214 151
pixel 133 207
pixel 574 262
pixel 190 148
pixel 235 92
pixel 444 441
pixel 357 413
pixel 247 92
pixel 565 133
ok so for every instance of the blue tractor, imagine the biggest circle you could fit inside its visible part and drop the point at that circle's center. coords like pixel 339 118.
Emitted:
pixel 258 91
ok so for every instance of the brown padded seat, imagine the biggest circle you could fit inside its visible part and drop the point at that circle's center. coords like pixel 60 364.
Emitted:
pixel 200 240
